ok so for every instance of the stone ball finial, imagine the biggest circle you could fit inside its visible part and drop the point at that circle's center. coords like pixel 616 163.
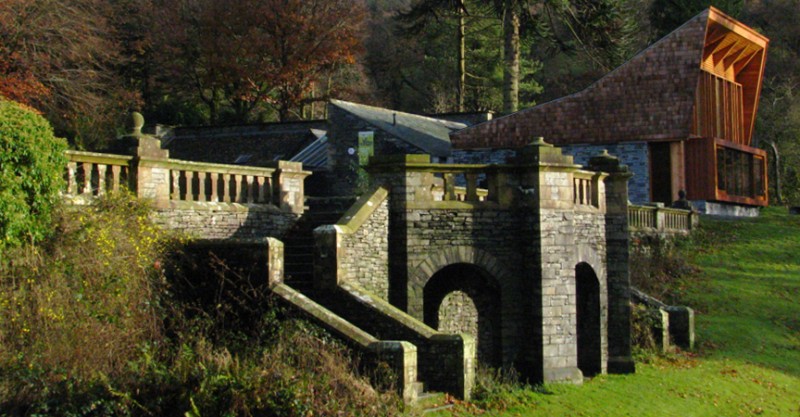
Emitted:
pixel 136 123
pixel 539 141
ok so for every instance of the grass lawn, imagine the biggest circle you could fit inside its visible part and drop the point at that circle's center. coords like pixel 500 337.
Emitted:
pixel 747 303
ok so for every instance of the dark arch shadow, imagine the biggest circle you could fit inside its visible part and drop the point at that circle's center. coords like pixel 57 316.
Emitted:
pixel 588 320
pixel 484 292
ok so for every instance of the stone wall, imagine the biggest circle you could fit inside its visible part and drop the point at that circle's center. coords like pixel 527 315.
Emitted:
pixel 635 155
pixel 209 220
pixel 367 253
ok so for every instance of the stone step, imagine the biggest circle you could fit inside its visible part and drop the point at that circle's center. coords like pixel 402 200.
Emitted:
pixel 430 402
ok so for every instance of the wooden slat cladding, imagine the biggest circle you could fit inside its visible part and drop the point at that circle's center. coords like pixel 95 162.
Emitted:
pixel 700 173
pixel 718 109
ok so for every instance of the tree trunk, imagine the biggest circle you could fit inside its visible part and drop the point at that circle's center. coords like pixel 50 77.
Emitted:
pixel 462 61
pixel 511 57
pixel 777 164
pixel 212 107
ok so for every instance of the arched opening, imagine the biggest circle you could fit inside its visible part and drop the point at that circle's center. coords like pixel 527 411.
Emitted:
pixel 588 320
pixel 464 298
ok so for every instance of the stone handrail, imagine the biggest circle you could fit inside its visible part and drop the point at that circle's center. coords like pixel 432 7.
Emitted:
pixel 661 219
pixel 91 174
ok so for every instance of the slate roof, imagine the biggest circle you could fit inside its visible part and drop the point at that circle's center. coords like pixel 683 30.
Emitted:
pixel 649 98
pixel 228 144
pixel 426 133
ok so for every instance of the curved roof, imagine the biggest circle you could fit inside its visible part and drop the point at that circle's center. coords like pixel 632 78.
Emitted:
pixel 649 98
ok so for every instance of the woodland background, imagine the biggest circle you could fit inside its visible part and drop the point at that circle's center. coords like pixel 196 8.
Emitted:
pixel 84 64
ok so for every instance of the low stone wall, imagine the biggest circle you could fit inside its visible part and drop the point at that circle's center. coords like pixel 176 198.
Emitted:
pixel 209 220
pixel 446 361
pixel 725 209
pixel 365 244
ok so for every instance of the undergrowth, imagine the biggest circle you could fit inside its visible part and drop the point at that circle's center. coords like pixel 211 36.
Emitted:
pixel 100 320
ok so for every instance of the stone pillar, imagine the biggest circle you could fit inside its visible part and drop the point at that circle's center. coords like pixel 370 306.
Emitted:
pixel 402 359
pixel 405 187
pixel 149 178
pixel 288 185
pixel 547 189
pixel 328 253
pixel 275 261
pixel 617 236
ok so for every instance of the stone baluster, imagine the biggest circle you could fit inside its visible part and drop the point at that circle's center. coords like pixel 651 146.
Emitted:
pixel 226 188
pixel 116 171
pixel 201 186
pixel 72 185
pixel 189 186
pixel 101 178
pixel 87 167
pixel 250 188
pixel 260 192
pixel 214 187
pixel 238 197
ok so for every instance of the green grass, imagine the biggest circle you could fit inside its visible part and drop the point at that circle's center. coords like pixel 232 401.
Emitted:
pixel 747 302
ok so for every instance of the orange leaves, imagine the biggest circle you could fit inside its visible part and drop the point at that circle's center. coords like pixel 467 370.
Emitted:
pixel 245 53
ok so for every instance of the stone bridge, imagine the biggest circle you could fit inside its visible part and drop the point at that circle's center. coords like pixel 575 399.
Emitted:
pixel 436 268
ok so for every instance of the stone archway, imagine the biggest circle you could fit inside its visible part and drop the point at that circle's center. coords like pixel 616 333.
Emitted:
pixel 465 298
pixel 588 320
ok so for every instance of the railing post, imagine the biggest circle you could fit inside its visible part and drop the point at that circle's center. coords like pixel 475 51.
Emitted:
pixel 472 186
pixel 617 268
pixel 659 218
pixel 288 182
pixel 147 178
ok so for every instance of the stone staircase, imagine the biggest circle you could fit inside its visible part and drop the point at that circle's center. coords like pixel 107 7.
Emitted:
pixel 299 240
pixel 428 363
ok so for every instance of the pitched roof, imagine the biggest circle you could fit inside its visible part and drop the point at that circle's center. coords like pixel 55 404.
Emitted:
pixel 649 98
pixel 246 144
pixel 426 133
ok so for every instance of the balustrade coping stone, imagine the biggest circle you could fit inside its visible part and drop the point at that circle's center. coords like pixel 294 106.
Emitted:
pixel 359 212
pixel 222 206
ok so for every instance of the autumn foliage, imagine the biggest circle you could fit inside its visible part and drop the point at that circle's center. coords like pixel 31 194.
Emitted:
pixel 239 55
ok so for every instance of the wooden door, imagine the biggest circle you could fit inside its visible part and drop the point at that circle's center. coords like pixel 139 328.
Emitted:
pixel 660 173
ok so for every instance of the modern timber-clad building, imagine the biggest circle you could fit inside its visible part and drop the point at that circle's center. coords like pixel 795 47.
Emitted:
pixel 680 113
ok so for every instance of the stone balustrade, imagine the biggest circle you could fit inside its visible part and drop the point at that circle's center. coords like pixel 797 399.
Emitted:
pixel 91 174
pixel 449 179
pixel 585 189
pixel 661 219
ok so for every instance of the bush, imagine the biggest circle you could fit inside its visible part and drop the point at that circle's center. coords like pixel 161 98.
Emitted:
pixel 31 165
pixel 90 324
pixel 84 302
pixel 660 267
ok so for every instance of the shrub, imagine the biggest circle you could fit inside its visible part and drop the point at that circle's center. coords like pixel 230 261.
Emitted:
pixel 90 324
pixel 84 302
pixel 660 267
pixel 31 166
